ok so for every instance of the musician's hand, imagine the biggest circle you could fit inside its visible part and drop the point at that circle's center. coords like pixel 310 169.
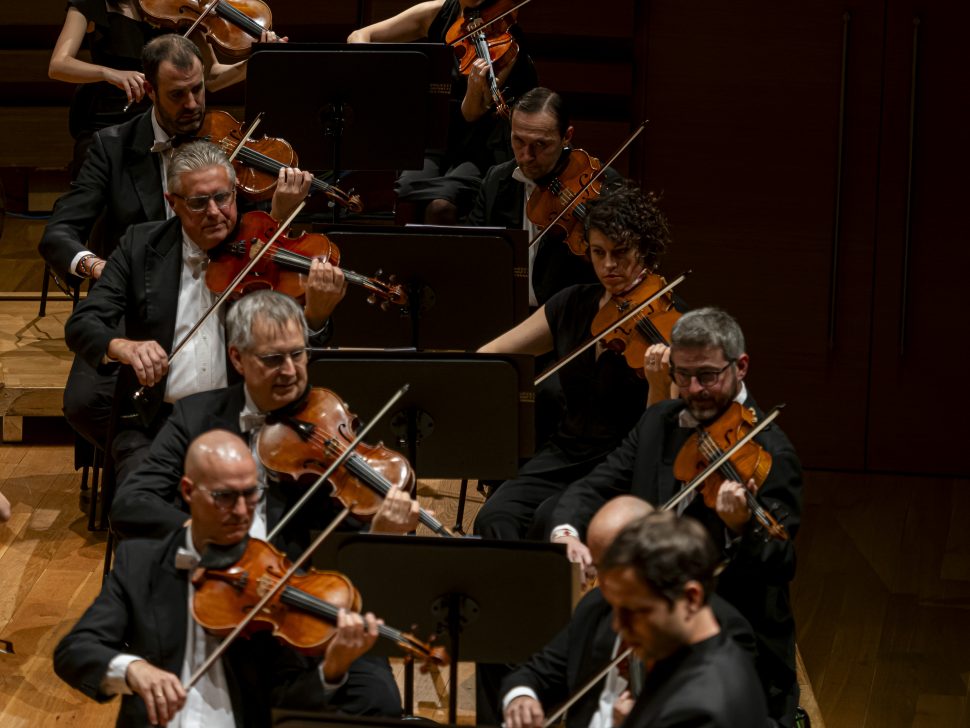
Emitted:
pixel 131 82
pixel 292 187
pixel 161 690
pixel 325 288
pixel 397 514
pixel 478 95
pixel 524 712
pixel 268 36
pixel 578 553
pixel 622 707
pixel 732 506
pixel 656 367
pixel 147 358
pixel 355 635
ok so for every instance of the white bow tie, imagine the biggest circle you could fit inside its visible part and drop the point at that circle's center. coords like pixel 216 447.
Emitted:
pixel 185 560
pixel 249 421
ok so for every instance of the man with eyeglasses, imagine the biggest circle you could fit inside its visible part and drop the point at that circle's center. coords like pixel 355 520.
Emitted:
pixel 122 183
pixel 266 335
pixel 153 292
pixel 139 639
pixel 709 364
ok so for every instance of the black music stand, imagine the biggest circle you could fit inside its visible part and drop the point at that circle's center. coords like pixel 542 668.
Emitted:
pixel 479 594
pixel 465 285
pixel 464 416
pixel 364 107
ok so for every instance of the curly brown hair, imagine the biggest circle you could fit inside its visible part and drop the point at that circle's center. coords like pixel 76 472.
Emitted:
pixel 626 214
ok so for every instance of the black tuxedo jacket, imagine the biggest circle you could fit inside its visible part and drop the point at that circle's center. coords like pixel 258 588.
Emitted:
pixel 142 610
pixel 500 203
pixel 138 294
pixel 757 577
pixel 120 179
pixel 711 684
pixel 148 503
pixel 586 645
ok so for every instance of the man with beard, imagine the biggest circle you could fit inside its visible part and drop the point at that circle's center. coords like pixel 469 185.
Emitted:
pixel 153 290
pixel 121 183
pixel 709 364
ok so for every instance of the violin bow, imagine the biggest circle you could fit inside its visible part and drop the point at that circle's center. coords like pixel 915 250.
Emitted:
pixel 224 296
pixel 554 718
pixel 599 173
pixel 725 456
pixel 487 23
pixel 246 137
pixel 282 581
pixel 616 324
pixel 208 8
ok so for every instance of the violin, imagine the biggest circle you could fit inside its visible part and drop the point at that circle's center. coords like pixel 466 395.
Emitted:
pixel 230 26
pixel 483 32
pixel 568 192
pixel 281 267
pixel 303 613
pixel 306 440
pixel 751 462
pixel 259 161
pixel 652 325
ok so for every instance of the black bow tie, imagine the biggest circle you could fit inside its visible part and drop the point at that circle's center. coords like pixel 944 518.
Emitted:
pixel 171 143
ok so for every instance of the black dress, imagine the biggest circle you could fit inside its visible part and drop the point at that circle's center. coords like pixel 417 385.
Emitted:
pixel 603 399
pixel 455 174
pixel 116 42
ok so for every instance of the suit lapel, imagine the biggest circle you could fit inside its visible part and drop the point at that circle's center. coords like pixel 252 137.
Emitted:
pixel 163 275
pixel 143 168
pixel 169 595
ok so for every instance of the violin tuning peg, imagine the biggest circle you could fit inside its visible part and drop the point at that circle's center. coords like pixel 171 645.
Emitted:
pixel 379 272
pixel 385 306
pixel 392 278
pixel 372 299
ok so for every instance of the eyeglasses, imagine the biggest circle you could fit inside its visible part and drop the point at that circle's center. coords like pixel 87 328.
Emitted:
pixel 200 203
pixel 275 361
pixel 226 499
pixel 705 377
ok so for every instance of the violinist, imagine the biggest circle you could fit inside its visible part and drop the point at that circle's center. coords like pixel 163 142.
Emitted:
pixel 588 643
pixel 112 86
pixel 540 137
pixel 122 183
pixel 709 364
pixel 604 397
pixel 154 285
pixel 658 576
pixel 477 139
pixel 139 639
pixel 266 334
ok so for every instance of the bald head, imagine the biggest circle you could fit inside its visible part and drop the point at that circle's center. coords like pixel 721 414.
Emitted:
pixel 612 518
pixel 210 452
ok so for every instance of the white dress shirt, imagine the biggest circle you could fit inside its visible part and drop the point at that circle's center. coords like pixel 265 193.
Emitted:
pixel 250 423
pixel 201 364
pixel 529 227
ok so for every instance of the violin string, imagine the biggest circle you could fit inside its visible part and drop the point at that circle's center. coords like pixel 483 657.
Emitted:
pixel 362 470
pixel 282 255
pixel 315 605
pixel 238 18
pixel 272 166
pixel 649 331
pixel 712 452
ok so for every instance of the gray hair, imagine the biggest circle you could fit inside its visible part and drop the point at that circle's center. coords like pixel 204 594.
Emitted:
pixel 196 155
pixel 274 309
pixel 709 327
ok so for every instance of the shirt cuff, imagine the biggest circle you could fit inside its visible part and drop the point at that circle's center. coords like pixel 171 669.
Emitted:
pixel 518 692
pixel 563 530
pixel 76 260
pixel 330 688
pixel 115 680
